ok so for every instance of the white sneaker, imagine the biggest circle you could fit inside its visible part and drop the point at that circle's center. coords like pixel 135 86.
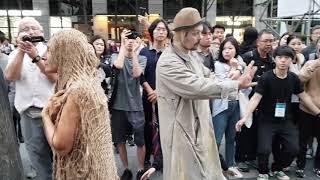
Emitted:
pixel 281 175
pixel 32 174
pixel 263 177
pixel 234 172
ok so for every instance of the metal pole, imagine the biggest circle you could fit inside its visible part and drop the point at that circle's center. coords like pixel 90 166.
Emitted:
pixel 85 12
pixel 137 13
pixel 308 28
pixel 8 19
pixel 116 20
pixel 205 8
pixel 271 12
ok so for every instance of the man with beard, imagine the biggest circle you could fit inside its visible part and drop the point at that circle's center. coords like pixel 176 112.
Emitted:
pixel 184 87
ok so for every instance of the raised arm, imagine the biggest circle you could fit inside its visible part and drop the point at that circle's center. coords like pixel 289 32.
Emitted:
pixel 119 62
pixel 189 85
pixel 13 70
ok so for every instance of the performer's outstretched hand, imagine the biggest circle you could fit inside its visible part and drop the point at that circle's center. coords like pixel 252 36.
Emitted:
pixel 148 174
pixel 245 80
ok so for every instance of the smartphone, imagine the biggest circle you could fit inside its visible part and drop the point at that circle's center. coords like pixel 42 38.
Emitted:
pixel 143 11
pixel 133 35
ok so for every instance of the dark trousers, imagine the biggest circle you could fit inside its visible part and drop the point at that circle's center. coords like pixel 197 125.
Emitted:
pixel 17 125
pixel 287 135
pixel 276 143
pixel 147 106
pixel 246 142
pixel 309 126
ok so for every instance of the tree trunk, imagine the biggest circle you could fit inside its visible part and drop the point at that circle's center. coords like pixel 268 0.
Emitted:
pixel 10 160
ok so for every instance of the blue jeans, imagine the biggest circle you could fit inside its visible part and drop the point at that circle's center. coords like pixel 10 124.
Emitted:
pixel 224 123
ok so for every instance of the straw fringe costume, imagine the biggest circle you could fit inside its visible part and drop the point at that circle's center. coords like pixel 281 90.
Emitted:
pixel 91 157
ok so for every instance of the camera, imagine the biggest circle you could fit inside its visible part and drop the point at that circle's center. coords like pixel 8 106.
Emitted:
pixel 133 35
pixel 32 39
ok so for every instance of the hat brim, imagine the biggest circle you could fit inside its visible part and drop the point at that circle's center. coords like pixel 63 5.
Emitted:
pixel 187 27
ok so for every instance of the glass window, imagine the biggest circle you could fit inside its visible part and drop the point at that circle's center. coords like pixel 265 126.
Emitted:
pixel 70 7
pixel 3 22
pixel 55 30
pixel 172 7
pixel 21 4
pixel 14 21
pixel 59 23
pixel 235 8
pixel 125 7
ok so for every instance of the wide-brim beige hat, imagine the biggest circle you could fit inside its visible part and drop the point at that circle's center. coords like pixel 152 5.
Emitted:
pixel 186 18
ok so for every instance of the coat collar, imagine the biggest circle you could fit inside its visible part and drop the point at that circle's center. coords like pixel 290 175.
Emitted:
pixel 182 55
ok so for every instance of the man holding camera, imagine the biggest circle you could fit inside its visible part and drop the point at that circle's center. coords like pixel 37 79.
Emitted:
pixel 127 110
pixel 33 88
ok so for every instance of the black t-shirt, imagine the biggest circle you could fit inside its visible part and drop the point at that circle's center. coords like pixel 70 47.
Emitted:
pixel 275 90
pixel 263 64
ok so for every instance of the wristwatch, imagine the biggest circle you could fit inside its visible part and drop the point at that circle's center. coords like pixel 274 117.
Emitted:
pixel 240 68
pixel 36 59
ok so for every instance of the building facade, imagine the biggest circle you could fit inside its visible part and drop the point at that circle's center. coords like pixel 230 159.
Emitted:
pixel 109 17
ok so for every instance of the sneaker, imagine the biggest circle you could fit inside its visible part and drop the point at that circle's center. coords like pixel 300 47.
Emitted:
pixel 263 177
pixel 243 167
pixel 300 173
pixel 281 175
pixel 139 174
pixel 235 172
pixel 127 175
pixel 317 172
pixel 32 174
pixel 271 174
pixel 309 153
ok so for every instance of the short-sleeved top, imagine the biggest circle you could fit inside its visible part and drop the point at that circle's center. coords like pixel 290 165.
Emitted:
pixel 152 59
pixel 128 97
pixel 276 90
pixel 33 88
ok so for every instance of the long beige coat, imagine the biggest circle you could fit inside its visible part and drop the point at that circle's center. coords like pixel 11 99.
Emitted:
pixel 184 86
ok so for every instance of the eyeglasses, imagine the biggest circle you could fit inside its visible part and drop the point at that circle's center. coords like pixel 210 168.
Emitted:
pixel 26 29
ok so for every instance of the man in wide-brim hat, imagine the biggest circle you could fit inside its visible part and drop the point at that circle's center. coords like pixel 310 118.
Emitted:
pixel 184 88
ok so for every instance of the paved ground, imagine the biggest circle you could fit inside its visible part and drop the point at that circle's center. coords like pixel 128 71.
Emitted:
pixel 132 163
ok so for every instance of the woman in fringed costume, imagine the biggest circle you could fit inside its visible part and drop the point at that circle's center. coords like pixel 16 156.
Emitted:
pixel 76 119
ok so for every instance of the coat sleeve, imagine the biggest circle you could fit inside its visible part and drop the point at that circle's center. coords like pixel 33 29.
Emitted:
pixel 308 69
pixel 185 83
